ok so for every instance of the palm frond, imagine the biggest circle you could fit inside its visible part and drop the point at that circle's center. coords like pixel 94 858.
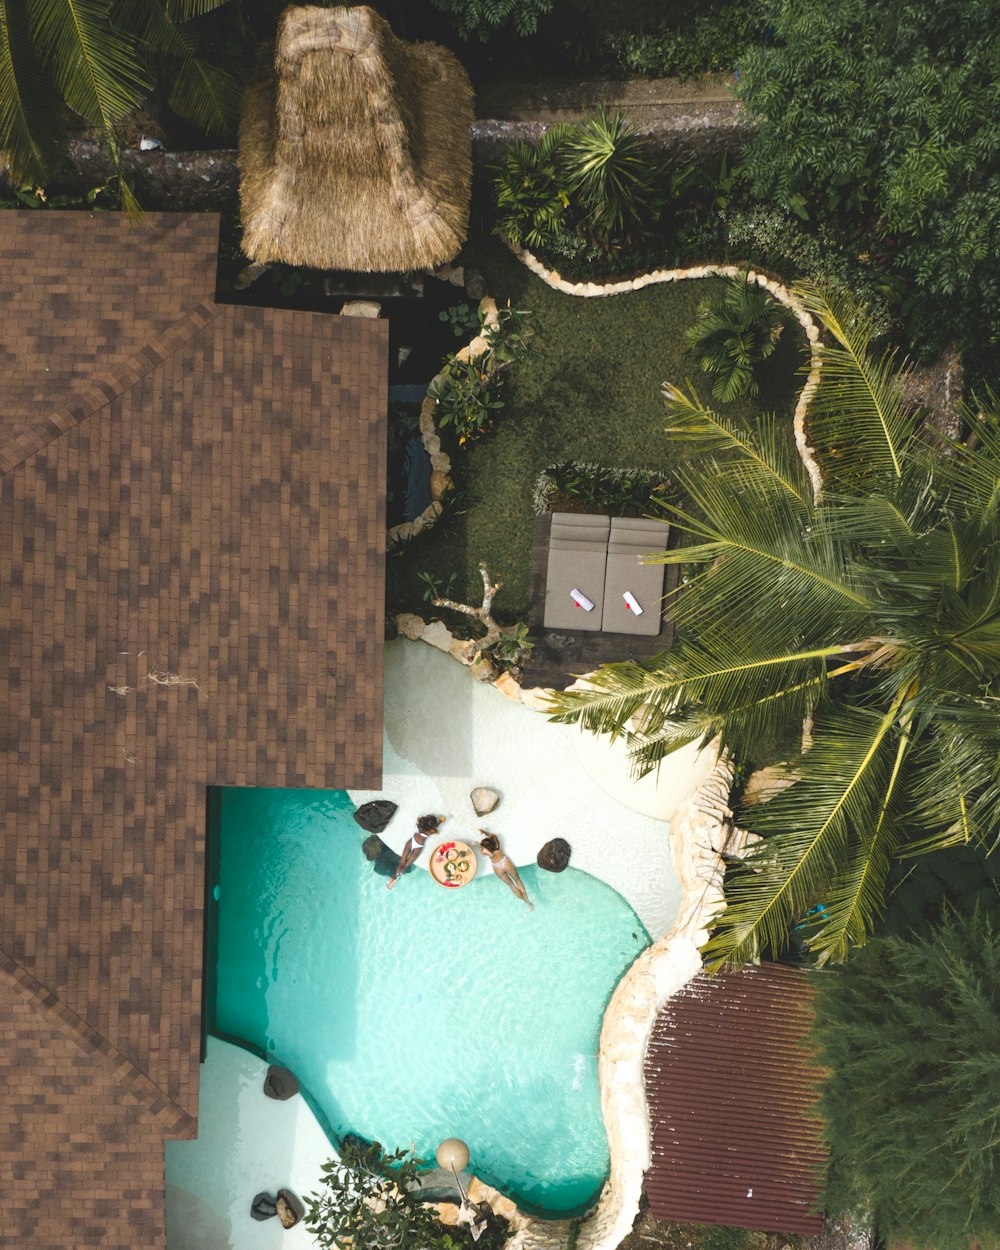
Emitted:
pixel 859 418
pixel 689 693
pixel 809 833
pixel 202 93
pixel 757 554
pixel 738 450
pixel 31 130
pixel 97 66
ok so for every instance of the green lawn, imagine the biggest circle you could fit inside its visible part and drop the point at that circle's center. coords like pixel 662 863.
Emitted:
pixel 591 391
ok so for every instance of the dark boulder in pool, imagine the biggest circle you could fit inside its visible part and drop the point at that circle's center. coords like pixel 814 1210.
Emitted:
pixel 280 1084
pixel 374 816
pixel 384 859
pixel 554 855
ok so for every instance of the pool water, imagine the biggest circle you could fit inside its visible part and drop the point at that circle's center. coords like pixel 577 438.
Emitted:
pixel 422 1013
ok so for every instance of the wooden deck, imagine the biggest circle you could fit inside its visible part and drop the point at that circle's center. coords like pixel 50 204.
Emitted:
pixel 557 657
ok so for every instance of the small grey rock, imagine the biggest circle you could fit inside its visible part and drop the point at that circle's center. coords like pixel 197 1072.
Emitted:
pixel 554 855
pixel 484 800
pixel 475 284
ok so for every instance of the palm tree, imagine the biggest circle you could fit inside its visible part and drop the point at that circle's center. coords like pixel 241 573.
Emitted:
pixel 734 333
pixel 873 609
pixel 96 59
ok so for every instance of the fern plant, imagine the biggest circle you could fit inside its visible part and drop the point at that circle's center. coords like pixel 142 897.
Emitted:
pixel 733 334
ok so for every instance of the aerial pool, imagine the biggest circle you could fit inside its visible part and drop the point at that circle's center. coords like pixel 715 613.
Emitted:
pixel 422 1013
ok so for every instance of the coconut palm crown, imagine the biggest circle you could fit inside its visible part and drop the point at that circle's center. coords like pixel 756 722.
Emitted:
pixel 872 607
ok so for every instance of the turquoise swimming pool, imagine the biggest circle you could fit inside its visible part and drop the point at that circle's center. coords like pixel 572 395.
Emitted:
pixel 422 1013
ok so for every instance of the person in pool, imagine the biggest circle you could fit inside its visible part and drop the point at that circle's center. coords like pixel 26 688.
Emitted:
pixel 503 867
pixel 426 825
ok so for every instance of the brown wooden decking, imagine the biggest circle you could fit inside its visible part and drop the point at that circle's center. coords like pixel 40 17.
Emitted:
pixel 558 657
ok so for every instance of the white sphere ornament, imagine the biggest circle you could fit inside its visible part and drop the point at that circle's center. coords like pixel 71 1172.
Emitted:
pixel 453 1153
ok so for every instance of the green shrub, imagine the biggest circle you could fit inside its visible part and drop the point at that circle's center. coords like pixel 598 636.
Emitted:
pixel 712 43
pixel 599 180
pixel 616 490
pixel 484 18
pixel 371 1199
pixel 468 392
pixel 734 333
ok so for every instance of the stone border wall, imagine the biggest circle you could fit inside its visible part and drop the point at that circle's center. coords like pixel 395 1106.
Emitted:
pixel 440 460
pixel 783 294
pixel 700 831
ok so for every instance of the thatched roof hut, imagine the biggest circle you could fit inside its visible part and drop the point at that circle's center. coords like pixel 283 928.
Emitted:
pixel 357 152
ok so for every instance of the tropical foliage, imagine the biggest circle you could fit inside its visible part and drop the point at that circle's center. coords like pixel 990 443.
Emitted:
pixel 733 334
pixel 598 180
pixel 468 390
pixel 872 607
pixel 909 1033
pixel 598 486
pixel 98 59
pixel 372 1199
pixel 883 117
pixel 482 19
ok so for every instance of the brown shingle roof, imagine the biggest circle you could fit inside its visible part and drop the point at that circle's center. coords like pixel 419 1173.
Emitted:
pixel 732 1093
pixel 191 574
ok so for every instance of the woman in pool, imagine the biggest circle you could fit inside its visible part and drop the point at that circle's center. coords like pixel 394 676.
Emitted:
pixel 426 825
pixel 503 867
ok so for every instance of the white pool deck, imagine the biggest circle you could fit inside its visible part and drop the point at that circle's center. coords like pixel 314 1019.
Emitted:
pixel 445 733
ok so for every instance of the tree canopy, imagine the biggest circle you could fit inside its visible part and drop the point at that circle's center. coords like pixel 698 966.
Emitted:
pixel 873 608
pixel 884 116
pixel 909 1032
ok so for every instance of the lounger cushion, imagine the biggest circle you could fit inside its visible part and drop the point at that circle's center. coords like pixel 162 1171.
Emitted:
pixel 578 552
pixel 630 539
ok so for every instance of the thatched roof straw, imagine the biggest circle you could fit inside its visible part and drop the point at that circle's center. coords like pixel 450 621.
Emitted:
pixel 357 152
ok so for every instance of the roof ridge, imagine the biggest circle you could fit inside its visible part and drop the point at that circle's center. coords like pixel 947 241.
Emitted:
pixel 171 1119
pixel 97 393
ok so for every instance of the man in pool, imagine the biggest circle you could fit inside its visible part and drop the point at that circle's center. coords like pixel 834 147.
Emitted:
pixel 503 867
pixel 426 825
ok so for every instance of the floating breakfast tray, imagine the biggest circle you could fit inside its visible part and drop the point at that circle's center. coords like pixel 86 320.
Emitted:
pixel 453 864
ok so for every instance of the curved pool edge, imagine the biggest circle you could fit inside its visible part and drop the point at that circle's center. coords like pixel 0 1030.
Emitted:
pixel 699 833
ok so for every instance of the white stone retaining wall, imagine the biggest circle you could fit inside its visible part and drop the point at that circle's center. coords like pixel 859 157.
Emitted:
pixel 700 831
pixel 440 460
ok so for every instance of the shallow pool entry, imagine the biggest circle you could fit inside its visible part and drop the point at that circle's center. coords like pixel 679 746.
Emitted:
pixel 422 1013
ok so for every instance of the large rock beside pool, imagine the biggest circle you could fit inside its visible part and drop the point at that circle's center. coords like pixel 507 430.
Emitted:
pixel 383 858
pixel 263 1207
pixel 374 816
pixel 290 1208
pixel 484 800
pixel 280 1084
pixel 554 855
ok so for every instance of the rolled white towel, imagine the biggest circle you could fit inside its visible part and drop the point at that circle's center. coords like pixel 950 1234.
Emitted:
pixel 581 600
pixel 632 602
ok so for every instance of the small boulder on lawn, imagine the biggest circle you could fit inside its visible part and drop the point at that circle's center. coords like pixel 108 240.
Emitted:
pixel 374 816
pixel 554 855
pixel 484 800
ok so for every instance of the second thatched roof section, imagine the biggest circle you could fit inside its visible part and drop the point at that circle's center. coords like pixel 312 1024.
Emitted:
pixel 357 152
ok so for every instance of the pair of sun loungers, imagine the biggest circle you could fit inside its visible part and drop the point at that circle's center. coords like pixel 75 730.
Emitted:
pixel 596 579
